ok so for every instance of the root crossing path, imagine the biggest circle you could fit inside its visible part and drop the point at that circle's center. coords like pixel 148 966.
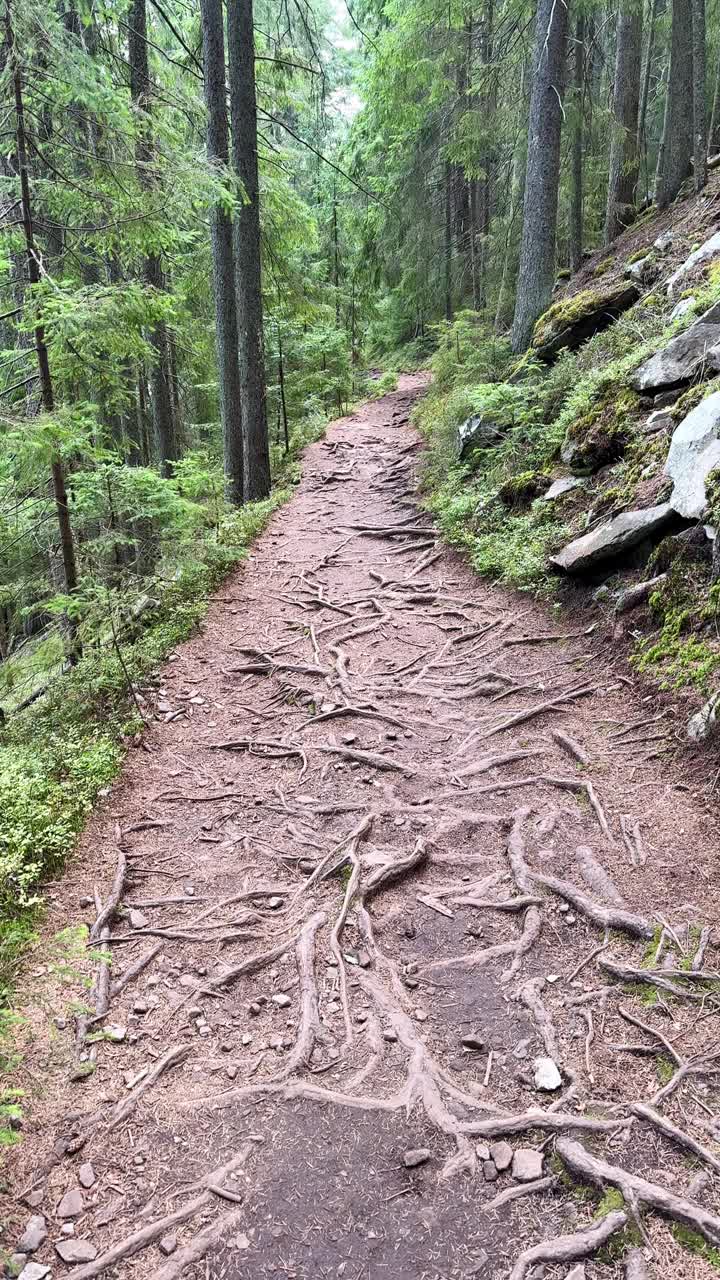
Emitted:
pixel 402 930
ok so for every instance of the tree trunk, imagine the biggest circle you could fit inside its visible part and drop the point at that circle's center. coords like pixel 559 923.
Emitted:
pixel 223 257
pixel 248 278
pixel 576 198
pixel 713 140
pixel 448 244
pixel 699 102
pixel 537 253
pixel 160 376
pixel 624 160
pixel 677 138
pixel 645 93
pixel 67 544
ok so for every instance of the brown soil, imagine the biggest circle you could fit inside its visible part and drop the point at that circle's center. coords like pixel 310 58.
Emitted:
pixel 316 1098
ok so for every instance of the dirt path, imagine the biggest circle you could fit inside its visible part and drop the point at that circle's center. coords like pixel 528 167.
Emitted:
pixel 390 842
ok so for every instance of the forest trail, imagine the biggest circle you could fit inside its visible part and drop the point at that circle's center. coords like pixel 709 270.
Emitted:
pixel 394 835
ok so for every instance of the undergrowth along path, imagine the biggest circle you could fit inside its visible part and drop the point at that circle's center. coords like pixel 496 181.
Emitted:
pixel 411 928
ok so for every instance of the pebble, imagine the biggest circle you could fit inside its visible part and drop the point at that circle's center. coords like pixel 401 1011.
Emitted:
pixel 502 1154
pixel 570 918
pixel 140 1006
pixel 521 1049
pixel 564 906
pixel 86 1175
pixel 203 1029
pixel 68 1228
pixel 247 1039
pixel 168 1245
pixel 71 1204
pixel 115 1033
pixel 231 1071
pixel 527 1164
pixel 76 1250
pixel 420 1015
pixel 476 1043
pixel 577 1273
pixel 482 1151
pixel 137 920
pixel 34 1271
pixel 490 1172
pixel 364 959
pixel 254 1009
pixel 547 1076
pixel 275 903
pixel 411 983
pixel 281 1000
pixel 34 1234
pixel 275 1042
pixel 35 1198
pixel 416 1156
pixel 390 1035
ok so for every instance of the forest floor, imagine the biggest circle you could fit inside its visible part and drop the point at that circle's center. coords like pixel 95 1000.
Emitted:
pixel 393 835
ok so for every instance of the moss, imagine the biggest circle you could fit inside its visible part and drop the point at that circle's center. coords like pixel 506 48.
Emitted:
pixel 573 310
pixel 600 435
pixel 612 1200
pixel 519 490
pixel 564 273
pixel 695 1243
pixel 604 266
pixel 712 491
pixel 638 256
pixel 691 398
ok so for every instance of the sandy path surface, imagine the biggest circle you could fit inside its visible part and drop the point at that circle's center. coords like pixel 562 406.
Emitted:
pixel 394 836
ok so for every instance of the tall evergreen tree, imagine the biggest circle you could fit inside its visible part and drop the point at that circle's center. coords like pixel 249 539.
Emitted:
pixel 676 146
pixel 537 254
pixel 624 154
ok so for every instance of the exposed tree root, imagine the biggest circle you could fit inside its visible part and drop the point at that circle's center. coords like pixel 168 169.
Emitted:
pixel 170 1059
pixel 536 1118
pixel 569 1248
pixel 676 1135
pixel 516 1193
pixel 637 1192
pixel 656 978
pixel 196 1250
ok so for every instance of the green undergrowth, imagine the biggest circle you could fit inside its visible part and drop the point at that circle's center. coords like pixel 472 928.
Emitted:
pixel 695 1243
pixel 61 753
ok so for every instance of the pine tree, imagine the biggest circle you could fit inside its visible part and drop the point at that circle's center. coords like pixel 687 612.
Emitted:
pixel 624 154
pixel 676 146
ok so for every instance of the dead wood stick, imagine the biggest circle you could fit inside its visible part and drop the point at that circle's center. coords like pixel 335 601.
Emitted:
pixel 628 973
pixel 139 1240
pixel 369 758
pixel 113 902
pixel 549 705
pixel 135 969
pixel 514 1193
pixel 588 960
pixel 363 713
pixel 572 747
pixel 637 1191
pixel 170 1059
pixel 568 1248
pixel 670 1130
pixel 699 956
pixel 252 965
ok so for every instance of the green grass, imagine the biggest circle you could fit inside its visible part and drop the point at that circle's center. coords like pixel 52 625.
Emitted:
pixel 695 1243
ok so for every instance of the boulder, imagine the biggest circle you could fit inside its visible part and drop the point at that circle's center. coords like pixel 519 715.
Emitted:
pixel 477 432
pixel 571 321
pixel 645 270
pixel 694 453
pixel 614 538
pixel 683 358
pixel 700 258
pixel 704 726
pixel 559 488
pixel 664 242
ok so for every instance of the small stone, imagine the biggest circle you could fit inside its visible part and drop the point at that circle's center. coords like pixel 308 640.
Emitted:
pixel 482 1151
pixel 282 1000
pixel 411 983
pixel 490 1172
pixel 203 1029
pixel 140 1006
pixel 76 1250
pixel 139 1160
pixel 570 918
pixel 409 929
pixel 578 1272
pixel 527 1164
pixel 416 1156
pixel 420 1015
pixel 137 920
pixel 34 1234
pixel 168 1245
pixel 231 1071
pixel 564 907
pixel 390 1035
pixel 364 959
pixel 35 1198
pixel 521 1049
pixel 275 1042
pixel 86 1175
pixel 34 1271
pixel 247 1039
pixel 254 1009
pixel 68 1228
pixel 275 903
pixel 349 738
pixel 474 1043
pixel 71 1204
pixel 115 1033
pixel 547 1076
pixel 226 1046
pixel 502 1154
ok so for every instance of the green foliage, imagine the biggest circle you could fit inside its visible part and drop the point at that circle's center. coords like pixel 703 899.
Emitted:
pixel 695 1243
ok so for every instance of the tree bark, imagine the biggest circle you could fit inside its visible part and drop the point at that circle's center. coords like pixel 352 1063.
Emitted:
pixel 67 544
pixel 223 256
pixel 448 244
pixel 576 198
pixel 645 92
pixel 677 138
pixel 537 253
pixel 248 270
pixel 699 100
pixel 624 156
pixel 160 375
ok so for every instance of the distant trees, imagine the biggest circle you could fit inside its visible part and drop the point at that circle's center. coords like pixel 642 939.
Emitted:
pixel 624 159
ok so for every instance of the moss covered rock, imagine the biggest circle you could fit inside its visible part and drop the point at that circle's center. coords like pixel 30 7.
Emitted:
pixel 571 321
pixel 600 436
pixel 520 490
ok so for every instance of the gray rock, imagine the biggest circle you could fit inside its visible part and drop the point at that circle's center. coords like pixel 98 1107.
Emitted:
pixel 477 432
pixel 490 1172
pixel 546 1075
pixel 645 270
pixel 704 726
pixel 559 487
pixel 615 538
pixel 71 1205
pixel 34 1234
pixel 659 420
pixel 168 1245
pixel 683 359
pixel 705 254
pixel 86 1175
pixel 636 595
pixel 482 1151
pixel 476 1043
pixel 137 919
pixel 34 1271
pixel 35 1198
pixel 682 307
pixel 416 1156
pixel 281 1000
pixel 577 1273
pixel 115 1033
pixel 694 453
pixel 664 242
pixel 527 1164
pixel 76 1250
pixel 502 1154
